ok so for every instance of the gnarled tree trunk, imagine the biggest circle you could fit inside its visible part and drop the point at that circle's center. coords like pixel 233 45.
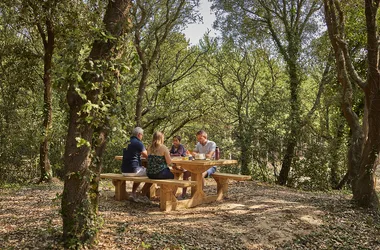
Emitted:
pixel 362 163
pixel 364 192
pixel 79 214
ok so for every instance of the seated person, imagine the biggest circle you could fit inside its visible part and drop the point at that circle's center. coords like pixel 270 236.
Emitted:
pixel 206 147
pixel 131 164
pixel 178 149
pixel 159 159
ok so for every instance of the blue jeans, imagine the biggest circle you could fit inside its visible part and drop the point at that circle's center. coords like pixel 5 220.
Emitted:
pixel 164 174
pixel 210 171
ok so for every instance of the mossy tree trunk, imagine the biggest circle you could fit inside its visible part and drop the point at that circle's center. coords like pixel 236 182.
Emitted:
pixel 82 164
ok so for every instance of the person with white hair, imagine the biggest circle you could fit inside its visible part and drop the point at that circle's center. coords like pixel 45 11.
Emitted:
pixel 131 164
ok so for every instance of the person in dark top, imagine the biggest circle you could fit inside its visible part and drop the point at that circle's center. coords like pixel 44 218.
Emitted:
pixel 131 164
pixel 159 159
pixel 178 149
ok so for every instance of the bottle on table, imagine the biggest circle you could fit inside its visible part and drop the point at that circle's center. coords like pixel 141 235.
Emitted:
pixel 217 153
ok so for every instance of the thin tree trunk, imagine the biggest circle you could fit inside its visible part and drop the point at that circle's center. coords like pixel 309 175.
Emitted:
pixel 48 42
pixel 334 149
pixel 295 119
pixel 79 214
pixel 245 159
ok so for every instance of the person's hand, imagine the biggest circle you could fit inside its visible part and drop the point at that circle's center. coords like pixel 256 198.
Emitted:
pixel 177 167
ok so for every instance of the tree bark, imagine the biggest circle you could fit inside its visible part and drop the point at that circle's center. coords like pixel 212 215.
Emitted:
pixel 295 119
pixel 79 206
pixel 48 42
pixel 335 24
pixel 362 163
pixel 334 149
pixel 364 192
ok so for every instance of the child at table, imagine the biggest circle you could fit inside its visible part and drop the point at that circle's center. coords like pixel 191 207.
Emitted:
pixel 178 149
pixel 158 159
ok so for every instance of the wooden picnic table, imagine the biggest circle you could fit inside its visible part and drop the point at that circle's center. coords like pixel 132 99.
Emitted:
pixel 196 168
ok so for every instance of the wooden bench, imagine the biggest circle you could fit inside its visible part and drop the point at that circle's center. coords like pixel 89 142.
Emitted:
pixel 222 182
pixel 168 201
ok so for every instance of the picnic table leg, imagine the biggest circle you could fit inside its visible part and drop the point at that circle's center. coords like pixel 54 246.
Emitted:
pixel 168 202
pixel 120 190
pixel 197 194
pixel 177 174
pixel 221 187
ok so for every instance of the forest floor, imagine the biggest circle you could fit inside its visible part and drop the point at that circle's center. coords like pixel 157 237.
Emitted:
pixel 256 216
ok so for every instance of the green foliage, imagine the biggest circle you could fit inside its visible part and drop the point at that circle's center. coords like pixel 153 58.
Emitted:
pixel 188 88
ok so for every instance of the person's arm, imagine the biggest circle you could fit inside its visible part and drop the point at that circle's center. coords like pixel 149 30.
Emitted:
pixel 142 148
pixel 181 150
pixel 144 154
pixel 167 156
pixel 211 150
pixel 210 154
pixel 195 151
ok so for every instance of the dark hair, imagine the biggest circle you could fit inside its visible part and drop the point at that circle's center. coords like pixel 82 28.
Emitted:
pixel 202 133
pixel 177 137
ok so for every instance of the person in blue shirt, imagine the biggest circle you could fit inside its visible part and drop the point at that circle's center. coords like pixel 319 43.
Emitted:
pixel 131 164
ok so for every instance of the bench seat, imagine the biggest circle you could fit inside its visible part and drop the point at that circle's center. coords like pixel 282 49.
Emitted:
pixel 222 182
pixel 168 201
pixel 236 177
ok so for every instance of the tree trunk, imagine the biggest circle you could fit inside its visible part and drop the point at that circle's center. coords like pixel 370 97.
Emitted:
pixel 140 95
pixel 48 42
pixel 79 207
pixel 100 143
pixel 364 192
pixel 334 159
pixel 362 163
pixel 295 119
pixel 245 158
pixel 334 21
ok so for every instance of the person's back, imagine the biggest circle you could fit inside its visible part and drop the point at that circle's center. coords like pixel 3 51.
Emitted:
pixel 158 159
pixel 131 164
pixel 132 156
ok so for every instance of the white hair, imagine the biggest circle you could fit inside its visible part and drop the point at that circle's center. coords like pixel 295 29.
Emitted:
pixel 137 130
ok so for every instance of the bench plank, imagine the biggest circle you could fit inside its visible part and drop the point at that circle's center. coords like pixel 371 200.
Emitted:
pixel 236 177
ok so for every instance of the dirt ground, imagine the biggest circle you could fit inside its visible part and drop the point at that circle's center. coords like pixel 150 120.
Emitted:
pixel 256 216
